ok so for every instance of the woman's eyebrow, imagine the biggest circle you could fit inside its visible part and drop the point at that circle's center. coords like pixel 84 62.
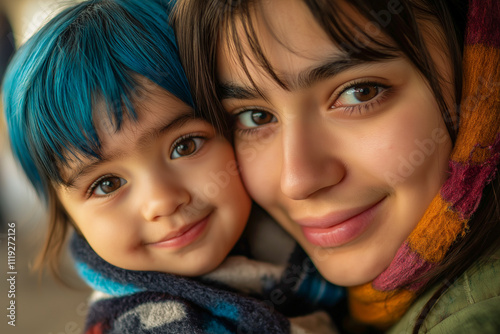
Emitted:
pixel 304 79
pixel 231 90
pixel 326 70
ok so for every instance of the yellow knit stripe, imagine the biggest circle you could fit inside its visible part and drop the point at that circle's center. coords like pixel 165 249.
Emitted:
pixel 380 309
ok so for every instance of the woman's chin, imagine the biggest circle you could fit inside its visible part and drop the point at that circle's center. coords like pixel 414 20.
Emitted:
pixel 346 272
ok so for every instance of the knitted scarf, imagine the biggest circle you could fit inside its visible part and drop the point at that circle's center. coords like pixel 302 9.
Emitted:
pixel 240 296
pixel 473 164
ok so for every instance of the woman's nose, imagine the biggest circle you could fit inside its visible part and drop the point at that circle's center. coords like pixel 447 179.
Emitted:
pixel 162 196
pixel 309 162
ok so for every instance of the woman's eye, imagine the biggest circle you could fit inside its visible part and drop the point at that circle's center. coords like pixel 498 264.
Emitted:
pixel 358 94
pixel 107 185
pixel 255 118
pixel 186 146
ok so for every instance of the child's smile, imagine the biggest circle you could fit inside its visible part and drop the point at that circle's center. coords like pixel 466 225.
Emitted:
pixel 183 236
pixel 165 195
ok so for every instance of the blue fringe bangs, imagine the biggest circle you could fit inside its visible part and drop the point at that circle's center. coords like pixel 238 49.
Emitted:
pixel 87 55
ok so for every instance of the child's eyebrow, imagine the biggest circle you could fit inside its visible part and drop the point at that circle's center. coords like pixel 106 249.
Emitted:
pixel 155 132
pixel 304 79
pixel 86 167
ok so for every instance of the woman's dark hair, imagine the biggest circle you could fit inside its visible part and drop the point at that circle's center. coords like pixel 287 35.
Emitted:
pixel 203 25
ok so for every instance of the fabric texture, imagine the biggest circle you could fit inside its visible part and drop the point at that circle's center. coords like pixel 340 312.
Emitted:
pixel 469 305
pixel 240 296
pixel 473 164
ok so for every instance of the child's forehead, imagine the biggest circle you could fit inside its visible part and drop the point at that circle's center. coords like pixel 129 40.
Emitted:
pixel 150 102
pixel 154 108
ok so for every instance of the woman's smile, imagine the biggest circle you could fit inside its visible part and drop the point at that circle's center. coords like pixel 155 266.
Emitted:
pixel 339 228
pixel 325 156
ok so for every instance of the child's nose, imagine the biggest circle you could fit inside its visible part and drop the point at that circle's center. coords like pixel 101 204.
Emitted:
pixel 162 197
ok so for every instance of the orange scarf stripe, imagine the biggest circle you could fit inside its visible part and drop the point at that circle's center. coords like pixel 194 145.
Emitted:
pixel 480 93
pixel 437 230
pixel 378 308
pixel 476 151
pixel 440 226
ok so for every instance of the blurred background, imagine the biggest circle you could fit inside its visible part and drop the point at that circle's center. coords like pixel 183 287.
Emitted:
pixel 42 306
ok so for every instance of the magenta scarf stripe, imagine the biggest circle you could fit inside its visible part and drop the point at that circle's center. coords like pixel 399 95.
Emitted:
pixel 466 183
pixel 483 21
pixel 407 265
pixel 473 165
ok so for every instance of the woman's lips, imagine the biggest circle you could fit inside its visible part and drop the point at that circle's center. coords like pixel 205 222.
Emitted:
pixel 338 228
pixel 184 236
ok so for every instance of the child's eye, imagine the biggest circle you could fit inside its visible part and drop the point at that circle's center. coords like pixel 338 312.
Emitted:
pixel 360 96
pixel 186 146
pixel 254 118
pixel 106 185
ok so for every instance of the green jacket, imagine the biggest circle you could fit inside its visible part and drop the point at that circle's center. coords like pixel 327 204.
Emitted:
pixel 470 305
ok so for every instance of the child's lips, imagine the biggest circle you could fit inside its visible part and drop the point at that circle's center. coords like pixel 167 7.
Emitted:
pixel 183 236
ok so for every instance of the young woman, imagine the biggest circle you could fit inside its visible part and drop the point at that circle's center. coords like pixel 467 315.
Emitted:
pixel 370 131
pixel 101 119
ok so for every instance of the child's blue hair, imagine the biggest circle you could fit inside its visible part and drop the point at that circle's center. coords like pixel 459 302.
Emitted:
pixel 90 53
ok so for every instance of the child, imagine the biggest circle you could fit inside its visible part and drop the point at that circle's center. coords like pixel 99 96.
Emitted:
pixel 380 143
pixel 101 120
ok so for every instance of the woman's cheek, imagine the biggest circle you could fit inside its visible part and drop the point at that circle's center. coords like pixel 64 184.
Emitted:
pixel 404 148
pixel 260 171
